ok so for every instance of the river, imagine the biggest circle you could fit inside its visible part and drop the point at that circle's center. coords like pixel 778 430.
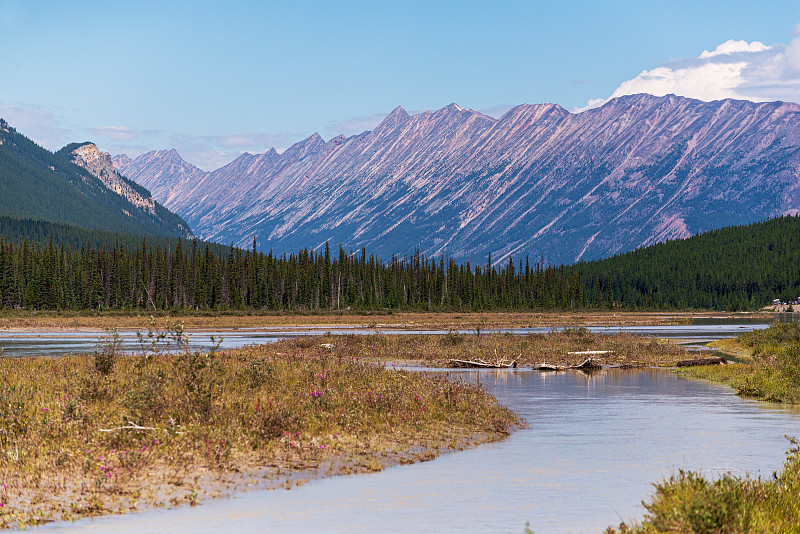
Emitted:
pixel 59 342
pixel 594 446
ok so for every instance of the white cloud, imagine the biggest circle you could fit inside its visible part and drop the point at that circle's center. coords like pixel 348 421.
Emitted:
pixel 730 46
pixel 43 127
pixel 116 133
pixel 735 69
pixel 356 125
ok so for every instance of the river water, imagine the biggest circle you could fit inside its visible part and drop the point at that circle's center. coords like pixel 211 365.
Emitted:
pixel 59 343
pixel 595 445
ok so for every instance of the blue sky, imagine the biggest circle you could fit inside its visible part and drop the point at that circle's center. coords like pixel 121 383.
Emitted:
pixel 214 79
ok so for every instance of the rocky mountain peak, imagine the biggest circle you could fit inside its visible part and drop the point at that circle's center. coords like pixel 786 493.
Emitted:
pixel 120 160
pixel 100 165
pixel 90 158
pixel 533 113
pixel 78 185
pixel 450 110
pixel 398 113
pixel 394 119
pixel 160 171
pixel 538 181
pixel 303 148
pixel 338 140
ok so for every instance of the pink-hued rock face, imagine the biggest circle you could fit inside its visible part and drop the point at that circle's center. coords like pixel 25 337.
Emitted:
pixel 101 166
pixel 538 181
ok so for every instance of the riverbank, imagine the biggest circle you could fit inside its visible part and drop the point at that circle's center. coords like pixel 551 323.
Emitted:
pixel 183 429
pixel 87 435
pixel 528 350
pixel 687 502
pixel 32 321
pixel 769 370
pixel 90 435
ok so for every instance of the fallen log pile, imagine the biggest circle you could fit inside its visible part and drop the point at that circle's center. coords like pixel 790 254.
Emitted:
pixel 483 364
pixel 586 364
pixel 713 360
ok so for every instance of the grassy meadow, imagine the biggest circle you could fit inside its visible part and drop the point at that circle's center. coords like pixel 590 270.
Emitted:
pixel 770 368
pixel 109 433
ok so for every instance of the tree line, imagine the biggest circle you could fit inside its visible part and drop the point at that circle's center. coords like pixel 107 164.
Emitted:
pixel 193 276
pixel 734 268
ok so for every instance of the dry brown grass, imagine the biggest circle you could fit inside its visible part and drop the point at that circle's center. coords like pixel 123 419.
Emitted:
pixel 191 426
pixel 527 350
pixel 267 416
pixel 18 320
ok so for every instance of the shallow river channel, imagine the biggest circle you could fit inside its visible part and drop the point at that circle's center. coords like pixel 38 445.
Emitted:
pixel 59 343
pixel 594 446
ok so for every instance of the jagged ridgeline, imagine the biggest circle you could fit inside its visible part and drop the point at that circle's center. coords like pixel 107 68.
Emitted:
pixel 539 180
pixel 732 268
pixel 76 187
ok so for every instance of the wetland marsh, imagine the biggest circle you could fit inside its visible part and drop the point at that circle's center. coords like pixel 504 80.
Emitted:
pixel 627 428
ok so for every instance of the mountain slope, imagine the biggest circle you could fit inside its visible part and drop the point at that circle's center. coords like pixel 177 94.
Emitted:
pixel 162 172
pixel 37 184
pixel 538 181
pixel 730 268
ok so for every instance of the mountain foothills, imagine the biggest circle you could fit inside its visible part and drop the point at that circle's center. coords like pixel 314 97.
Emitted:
pixel 76 186
pixel 539 181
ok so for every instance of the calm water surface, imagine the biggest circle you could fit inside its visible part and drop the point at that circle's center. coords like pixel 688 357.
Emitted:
pixel 594 447
pixel 59 343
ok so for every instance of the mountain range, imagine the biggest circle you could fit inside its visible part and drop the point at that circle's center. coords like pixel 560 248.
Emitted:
pixel 77 186
pixel 539 181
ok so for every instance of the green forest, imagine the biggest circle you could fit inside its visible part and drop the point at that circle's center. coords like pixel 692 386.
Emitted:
pixel 38 184
pixel 75 237
pixel 732 268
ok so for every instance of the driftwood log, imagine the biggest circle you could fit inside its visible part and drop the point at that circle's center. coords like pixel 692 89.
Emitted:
pixel 483 364
pixel 714 360
pixel 586 364
pixel 549 367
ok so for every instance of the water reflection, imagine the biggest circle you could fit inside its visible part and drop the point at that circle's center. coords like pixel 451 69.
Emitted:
pixel 58 343
pixel 595 444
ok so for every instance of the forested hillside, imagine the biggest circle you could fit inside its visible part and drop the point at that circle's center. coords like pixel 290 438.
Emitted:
pixel 734 268
pixel 39 185
pixel 74 237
